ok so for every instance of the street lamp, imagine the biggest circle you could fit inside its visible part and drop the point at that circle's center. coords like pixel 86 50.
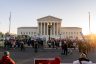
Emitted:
pixel 60 36
pixel 49 27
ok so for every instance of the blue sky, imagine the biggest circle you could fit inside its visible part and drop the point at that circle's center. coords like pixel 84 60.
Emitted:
pixel 74 13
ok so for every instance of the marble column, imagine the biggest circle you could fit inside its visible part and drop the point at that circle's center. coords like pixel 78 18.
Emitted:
pixel 57 28
pixel 54 28
pixel 38 27
pixel 41 28
pixel 51 29
pixel 44 28
pixel 47 28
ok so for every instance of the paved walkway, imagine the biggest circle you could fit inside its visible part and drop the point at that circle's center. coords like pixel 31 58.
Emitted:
pixel 27 56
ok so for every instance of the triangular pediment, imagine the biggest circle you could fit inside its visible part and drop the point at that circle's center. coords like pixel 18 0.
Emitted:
pixel 49 18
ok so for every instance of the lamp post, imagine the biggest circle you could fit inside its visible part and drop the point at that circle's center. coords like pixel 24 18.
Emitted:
pixel 89 24
pixel 60 36
pixel 9 22
pixel 49 27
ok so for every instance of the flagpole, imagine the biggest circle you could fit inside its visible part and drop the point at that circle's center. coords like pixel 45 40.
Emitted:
pixel 9 22
pixel 89 24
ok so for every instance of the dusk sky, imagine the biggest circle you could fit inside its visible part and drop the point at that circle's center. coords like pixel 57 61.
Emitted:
pixel 74 13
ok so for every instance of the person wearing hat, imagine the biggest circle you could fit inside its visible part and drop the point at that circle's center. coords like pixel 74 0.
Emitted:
pixel 82 60
pixel 6 59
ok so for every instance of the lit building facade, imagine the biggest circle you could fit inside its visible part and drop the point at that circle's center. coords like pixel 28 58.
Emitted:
pixel 56 31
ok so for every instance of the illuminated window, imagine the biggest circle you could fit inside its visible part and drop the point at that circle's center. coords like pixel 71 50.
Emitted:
pixel 63 32
pixel 29 32
pixel 71 32
pixel 21 33
pixel 34 32
pixel 26 32
pixel 77 32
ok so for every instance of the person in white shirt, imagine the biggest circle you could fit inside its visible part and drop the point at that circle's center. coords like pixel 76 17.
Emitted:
pixel 82 60
pixel 74 45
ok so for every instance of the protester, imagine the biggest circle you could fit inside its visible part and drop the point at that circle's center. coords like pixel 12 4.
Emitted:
pixel 64 48
pixel 82 60
pixel 74 45
pixel 6 59
pixel 22 46
pixel 36 47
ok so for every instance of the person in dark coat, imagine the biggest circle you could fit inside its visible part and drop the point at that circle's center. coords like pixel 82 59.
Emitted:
pixel 32 43
pixel 29 42
pixel 64 48
pixel 22 46
pixel 35 46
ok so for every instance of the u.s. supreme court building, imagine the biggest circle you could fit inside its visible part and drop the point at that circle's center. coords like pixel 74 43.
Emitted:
pixel 56 30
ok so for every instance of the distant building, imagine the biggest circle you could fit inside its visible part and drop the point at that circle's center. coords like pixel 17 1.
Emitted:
pixel 56 31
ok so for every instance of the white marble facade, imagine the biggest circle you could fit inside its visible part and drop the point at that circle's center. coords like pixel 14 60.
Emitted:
pixel 56 31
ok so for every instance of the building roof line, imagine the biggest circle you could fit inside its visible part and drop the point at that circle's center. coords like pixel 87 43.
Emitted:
pixel 48 18
pixel 27 27
pixel 72 27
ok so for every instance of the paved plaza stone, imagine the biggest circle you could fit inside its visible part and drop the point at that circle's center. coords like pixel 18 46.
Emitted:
pixel 27 56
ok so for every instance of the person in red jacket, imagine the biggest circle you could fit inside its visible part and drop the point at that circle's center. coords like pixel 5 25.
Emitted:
pixel 6 59
pixel 56 61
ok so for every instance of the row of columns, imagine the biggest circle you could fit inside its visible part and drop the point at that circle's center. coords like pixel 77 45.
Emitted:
pixel 54 30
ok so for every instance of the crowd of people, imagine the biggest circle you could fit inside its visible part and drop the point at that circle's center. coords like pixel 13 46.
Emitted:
pixel 64 44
